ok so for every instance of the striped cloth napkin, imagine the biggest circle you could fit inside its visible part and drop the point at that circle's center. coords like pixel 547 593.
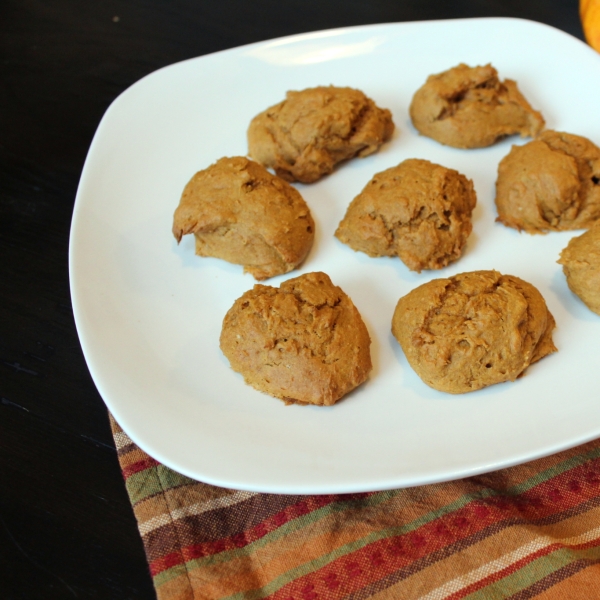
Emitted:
pixel 531 531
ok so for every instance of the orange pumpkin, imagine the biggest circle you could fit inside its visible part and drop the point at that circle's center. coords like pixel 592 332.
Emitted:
pixel 589 10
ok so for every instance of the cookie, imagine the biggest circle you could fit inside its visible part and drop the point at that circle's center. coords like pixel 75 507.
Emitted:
pixel 418 211
pixel 306 135
pixel 240 212
pixel 469 107
pixel 581 266
pixel 473 330
pixel 550 184
pixel 304 342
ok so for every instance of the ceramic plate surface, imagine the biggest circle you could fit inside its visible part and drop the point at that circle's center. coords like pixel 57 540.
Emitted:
pixel 149 312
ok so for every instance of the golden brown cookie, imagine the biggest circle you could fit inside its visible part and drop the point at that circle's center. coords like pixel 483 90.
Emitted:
pixel 241 213
pixel 469 107
pixel 306 135
pixel 304 342
pixel 550 184
pixel 473 330
pixel 581 266
pixel 418 211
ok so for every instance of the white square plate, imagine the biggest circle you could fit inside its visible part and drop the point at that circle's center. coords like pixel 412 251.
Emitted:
pixel 149 312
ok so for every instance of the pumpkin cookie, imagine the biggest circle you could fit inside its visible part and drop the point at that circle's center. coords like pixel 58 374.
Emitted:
pixel 418 211
pixel 550 184
pixel 469 107
pixel 473 330
pixel 241 213
pixel 581 266
pixel 306 135
pixel 303 342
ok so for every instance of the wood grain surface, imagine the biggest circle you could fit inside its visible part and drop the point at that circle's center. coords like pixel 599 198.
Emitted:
pixel 66 526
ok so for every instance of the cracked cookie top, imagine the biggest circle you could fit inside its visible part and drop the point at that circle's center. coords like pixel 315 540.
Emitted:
pixel 243 214
pixel 469 107
pixel 550 184
pixel 418 211
pixel 304 342
pixel 473 330
pixel 306 135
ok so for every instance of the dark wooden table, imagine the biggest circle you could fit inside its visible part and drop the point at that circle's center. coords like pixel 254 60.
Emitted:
pixel 66 526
